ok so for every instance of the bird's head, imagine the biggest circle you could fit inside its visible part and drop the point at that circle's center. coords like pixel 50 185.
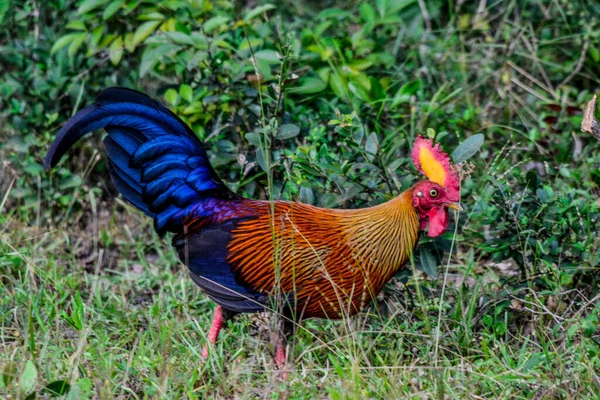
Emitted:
pixel 433 197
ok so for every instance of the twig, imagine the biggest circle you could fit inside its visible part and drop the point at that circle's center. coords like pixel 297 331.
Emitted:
pixel 589 123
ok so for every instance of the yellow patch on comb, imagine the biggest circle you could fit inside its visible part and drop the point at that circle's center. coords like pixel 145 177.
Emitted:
pixel 432 168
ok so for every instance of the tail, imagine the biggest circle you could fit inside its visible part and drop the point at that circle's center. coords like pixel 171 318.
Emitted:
pixel 157 163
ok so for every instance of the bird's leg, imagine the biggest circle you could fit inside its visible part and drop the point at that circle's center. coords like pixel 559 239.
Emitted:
pixel 280 354
pixel 280 350
pixel 213 332
pixel 281 358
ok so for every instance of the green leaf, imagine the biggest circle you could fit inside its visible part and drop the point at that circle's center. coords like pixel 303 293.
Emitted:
pixel 112 8
pixel 186 92
pixel 359 91
pixel 62 42
pixel 589 325
pixel 152 16
pixel 372 146
pixel 76 25
pixel 115 51
pixel 333 13
pixel 306 195
pixel 308 86
pixel 28 377
pixel 339 86
pixel 180 38
pixel 253 138
pixel 257 11
pixel 226 146
pixel 350 193
pixel 487 320
pixel 71 182
pixel 145 30
pixel 95 36
pixel 533 361
pixel 428 262
pixel 405 92
pixel 171 96
pixel 367 12
pixel 468 148
pixel 152 56
pixel 215 22
pixel 4 5
pixel 361 64
pixel 260 159
pixel 85 387
pixel 57 388
pixel 90 5
pixel 594 52
pixel 76 43
pixel 128 42
pixel 573 330
pixel 545 194
pixel 270 56
pixel 33 168
pixel 288 131
pixel 78 315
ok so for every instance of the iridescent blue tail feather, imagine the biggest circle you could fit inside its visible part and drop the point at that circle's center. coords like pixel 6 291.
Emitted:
pixel 157 162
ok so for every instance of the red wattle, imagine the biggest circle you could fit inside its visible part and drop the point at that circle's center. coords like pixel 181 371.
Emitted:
pixel 438 221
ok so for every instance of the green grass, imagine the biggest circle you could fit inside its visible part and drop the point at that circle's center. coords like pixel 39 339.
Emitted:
pixel 92 298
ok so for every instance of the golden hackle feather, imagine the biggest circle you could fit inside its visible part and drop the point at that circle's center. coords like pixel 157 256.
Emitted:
pixel 333 261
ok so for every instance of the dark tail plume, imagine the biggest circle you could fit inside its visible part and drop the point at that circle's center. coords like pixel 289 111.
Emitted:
pixel 157 162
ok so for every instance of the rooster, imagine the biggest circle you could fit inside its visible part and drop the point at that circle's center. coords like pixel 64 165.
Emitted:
pixel 248 255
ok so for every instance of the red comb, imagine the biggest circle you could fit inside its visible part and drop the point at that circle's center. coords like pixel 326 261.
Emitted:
pixel 431 161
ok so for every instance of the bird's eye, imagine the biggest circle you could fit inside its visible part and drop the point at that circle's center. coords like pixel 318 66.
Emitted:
pixel 433 193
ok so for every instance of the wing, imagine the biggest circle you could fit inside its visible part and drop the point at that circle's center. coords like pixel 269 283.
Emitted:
pixel 205 249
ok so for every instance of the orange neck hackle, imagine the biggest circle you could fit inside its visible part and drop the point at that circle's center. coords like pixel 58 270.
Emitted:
pixel 383 236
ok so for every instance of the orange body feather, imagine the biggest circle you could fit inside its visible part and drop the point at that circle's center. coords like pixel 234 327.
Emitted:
pixel 333 261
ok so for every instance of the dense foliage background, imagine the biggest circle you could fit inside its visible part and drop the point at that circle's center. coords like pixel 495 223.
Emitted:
pixel 317 102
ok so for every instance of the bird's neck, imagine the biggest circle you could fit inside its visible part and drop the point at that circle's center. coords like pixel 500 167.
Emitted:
pixel 384 237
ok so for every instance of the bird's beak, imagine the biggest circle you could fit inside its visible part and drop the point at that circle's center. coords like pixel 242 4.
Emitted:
pixel 456 206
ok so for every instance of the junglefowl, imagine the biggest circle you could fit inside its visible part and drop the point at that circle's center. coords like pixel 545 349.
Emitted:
pixel 248 255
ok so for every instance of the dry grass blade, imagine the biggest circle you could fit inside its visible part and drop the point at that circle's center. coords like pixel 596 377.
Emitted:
pixel 589 123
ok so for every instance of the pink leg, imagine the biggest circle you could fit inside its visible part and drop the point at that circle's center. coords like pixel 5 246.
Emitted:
pixel 215 328
pixel 281 358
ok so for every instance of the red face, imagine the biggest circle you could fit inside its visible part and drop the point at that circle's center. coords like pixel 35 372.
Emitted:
pixel 432 202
